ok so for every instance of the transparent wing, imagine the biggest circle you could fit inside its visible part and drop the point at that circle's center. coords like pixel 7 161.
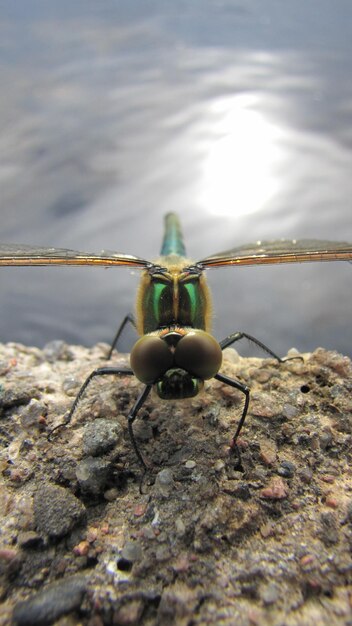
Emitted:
pixel 17 254
pixel 281 251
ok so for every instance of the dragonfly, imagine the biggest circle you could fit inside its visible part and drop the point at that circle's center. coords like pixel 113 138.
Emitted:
pixel 176 352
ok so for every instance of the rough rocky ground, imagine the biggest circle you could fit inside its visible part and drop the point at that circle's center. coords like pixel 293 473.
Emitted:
pixel 206 542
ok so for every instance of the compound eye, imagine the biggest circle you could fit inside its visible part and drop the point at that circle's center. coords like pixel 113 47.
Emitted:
pixel 199 354
pixel 150 359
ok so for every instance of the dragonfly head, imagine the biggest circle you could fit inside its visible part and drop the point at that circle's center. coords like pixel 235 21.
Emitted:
pixel 176 361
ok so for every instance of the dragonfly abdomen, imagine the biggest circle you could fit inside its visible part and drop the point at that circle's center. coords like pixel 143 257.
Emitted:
pixel 173 238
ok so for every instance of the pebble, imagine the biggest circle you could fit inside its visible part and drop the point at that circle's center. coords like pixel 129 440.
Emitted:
pixel 329 533
pixel 289 411
pixel 51 603
pixel 8 554
pixel 164 481
pixel 219 465
pixel 31 414
pixel 180 527
pixel 325 439
pixel 100 436
pixel 111 494
pixel 276 490
pixel 230 354
pixel 306 475
pixel 15 396
pixel 286 469
pixel 57 350
pixel 82 548
pixel 57 510
pixel 131 552
pixel 268 453
pixel 270 594
pixel 92 475
pixel 70 386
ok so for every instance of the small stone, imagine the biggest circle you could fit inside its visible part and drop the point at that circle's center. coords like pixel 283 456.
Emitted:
pixel 331 502
pixel 180 527
pixel 270 594
pixel 328 478
pixel 276 490
pixel 286 469
pixel 57 350
pixel 140 510
pixel 190 464
pixel 268 453
pixel 307 562
pixel 325 439
pixel 46 606
pixel 7 554
pixel 31 414
pixel 100 436
pixel 92 475
pixel 267 530
pixel 328 532
pixel 289 411
pixel 131 552
pixel 164 482
pixel 92 534
pixel 231 355
pixel 111 494
pixel 71 386
pixel 306 475
pixel 57 510
pixel 82 548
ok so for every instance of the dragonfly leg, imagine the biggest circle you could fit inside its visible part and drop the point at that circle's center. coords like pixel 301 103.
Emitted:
pixel 128 318
pixel 112 371
pixel 245 390
pixel 101 371
pixel 131 417
pixel 228 341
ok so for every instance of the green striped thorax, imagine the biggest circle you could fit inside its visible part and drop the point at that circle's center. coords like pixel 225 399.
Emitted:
pixel 173 294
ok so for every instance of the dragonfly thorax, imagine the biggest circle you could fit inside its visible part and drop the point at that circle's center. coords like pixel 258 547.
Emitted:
pixel 176 361
pixel 173 292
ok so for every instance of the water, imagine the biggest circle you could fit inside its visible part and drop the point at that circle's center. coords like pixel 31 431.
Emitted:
pixel 237 115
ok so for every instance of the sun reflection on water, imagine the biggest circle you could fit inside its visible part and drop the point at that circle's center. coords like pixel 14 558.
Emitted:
pixel 244 152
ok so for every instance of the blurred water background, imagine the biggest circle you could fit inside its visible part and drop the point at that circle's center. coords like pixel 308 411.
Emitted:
pixel 235 114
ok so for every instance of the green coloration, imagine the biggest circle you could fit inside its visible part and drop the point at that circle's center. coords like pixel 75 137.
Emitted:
pixel 192 303
pixel 193 299
pixel 158 289
pixel 158 305
pixel 173 240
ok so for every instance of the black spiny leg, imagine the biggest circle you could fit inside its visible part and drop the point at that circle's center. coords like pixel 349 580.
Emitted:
pixel 101 371
pixel 112 371
pixel 131 417
pixel 228 341
pixel 129 318
pixel 245 390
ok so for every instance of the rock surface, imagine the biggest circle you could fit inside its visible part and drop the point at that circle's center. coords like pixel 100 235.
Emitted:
pixel 203 539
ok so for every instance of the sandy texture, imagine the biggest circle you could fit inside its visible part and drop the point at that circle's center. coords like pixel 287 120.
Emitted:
pixel 206 542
